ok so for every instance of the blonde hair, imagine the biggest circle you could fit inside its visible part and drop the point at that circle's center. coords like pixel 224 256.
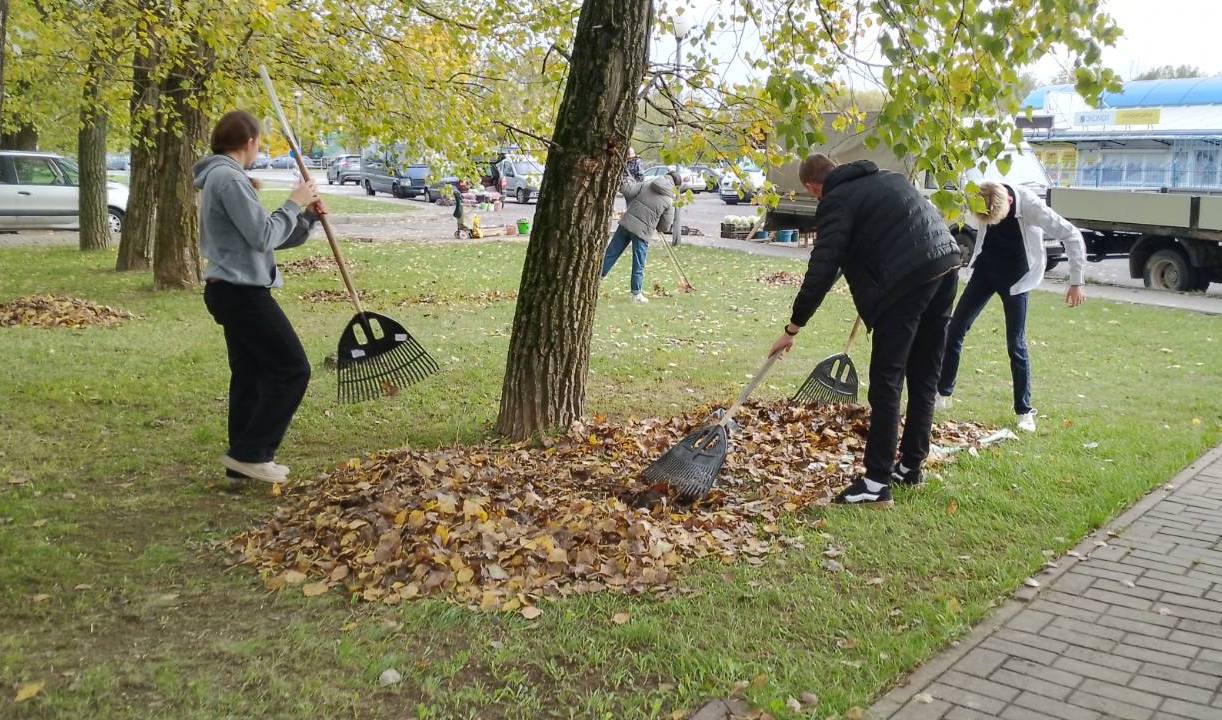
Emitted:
pixel 996 203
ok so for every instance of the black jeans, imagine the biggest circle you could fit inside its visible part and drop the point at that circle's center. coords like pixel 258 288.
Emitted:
pixel 980 288
pixel 909 338
pixel 268 368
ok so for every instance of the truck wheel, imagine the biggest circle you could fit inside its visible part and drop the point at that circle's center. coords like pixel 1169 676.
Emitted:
pixel 730 200
pixel 368 188
pixel 1169 270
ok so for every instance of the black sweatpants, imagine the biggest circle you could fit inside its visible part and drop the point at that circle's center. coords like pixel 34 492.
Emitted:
pixel 909 339
pixel 268 368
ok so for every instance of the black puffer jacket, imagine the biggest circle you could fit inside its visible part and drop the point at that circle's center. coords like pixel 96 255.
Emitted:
pixel 884 235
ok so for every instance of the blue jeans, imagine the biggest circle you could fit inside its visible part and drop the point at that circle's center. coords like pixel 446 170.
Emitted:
pixel 640 249
pixel 980 288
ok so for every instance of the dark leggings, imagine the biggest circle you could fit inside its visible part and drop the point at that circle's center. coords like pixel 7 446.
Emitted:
pixel 268 368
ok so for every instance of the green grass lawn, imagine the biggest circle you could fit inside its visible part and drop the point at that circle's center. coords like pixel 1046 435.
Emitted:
pixel 346 204
pixel 113 592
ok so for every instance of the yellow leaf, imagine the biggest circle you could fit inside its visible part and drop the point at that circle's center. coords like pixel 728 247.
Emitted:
pixel 489 601
pixel 401 517
pixel 464 576
pixel 294 577
pixel 416 518
pixel 511 604
pixel 354 463
pixel 443 533
pixel 619 618
pixel 530 612
pixel 952 507
pixel 29 690
pixel 315 589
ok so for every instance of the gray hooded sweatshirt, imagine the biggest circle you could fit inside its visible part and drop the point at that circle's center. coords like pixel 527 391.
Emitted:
pixel 651 205
pixel 237 235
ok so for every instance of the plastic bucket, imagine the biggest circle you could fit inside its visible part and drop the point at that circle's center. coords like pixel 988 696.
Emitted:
pixel 761 235
pixel 786 236
pixel 523 227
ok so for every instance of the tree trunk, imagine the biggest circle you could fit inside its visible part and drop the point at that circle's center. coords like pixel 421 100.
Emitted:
pixel 91 158
pixel 136 240
pixel 549 351
pixel 25 137
pixel 176 262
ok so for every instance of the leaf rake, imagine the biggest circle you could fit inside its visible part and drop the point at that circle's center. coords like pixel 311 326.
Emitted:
pixel 834 380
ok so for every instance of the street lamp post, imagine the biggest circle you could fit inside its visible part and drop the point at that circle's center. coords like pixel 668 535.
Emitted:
pixel 297 132
pixel 682 25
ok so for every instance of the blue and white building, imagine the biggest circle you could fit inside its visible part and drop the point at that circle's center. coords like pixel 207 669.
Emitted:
pixel 1152 134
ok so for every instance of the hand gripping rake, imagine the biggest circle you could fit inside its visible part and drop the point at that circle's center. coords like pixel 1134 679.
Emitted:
pixel 834 380
pixel 377 356
pixel 691 467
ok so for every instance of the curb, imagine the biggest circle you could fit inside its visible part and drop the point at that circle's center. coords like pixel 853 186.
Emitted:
pixel 928 672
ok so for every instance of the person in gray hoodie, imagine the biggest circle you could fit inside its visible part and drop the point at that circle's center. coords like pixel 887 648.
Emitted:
pixel 651 206
pixel 269 371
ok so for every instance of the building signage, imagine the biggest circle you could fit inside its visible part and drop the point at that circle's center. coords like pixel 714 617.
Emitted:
pixel 1139 116
pixel 1095 117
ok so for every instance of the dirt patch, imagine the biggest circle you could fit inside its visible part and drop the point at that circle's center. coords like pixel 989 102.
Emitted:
pixel 56 311
pixel 498 527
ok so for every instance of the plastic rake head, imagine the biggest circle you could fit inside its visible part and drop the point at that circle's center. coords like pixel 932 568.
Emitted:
pixel 832 381
pixel 691 466
pixel 379 364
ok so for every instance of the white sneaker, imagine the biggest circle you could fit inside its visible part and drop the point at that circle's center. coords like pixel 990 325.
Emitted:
pixel 943 403
pixel 265 471
pixel 284 469
pixel 1026 421
pixel 640 299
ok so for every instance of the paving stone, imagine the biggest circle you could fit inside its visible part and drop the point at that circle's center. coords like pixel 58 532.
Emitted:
pixel 1110 707
pixel 1075 583
pixel 1048 606
pixel 1042 657
pixel 1172 689
pixel 1043 672
pixel 1102 658
pixel 959 713
pixel 1151 656
pixel 1102 631
pixel 1039 642
pixel 1029 621
pixel 1143 616
pixel 1209 667
pixel 1075 601
pixel 916 710
pixel 1189 709
pixel 980 686
pixel 1112 598
pixel 1203 584
pixel 1054 708
pixel 1168 586
pixel 981 662
pixel 1105 572
pixel 1134 626
pixel 1031 684
pixel 966 698
pixel 1122 589
pixel 1090 670
pixel 1190 638
pixel 1170 646
pixel 1150 700
pixel 1204 680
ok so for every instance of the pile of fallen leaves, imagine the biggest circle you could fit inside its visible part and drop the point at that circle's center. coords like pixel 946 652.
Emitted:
pixel 498 527
pixel 324 296
pixel 314 263
pixel 484 297
pixel 59 311
pixel 780 278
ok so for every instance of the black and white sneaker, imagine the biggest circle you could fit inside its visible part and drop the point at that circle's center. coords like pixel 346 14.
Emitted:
pixel 907 477
pixel 865 493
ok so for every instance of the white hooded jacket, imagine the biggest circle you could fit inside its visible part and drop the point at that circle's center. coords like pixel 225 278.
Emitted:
pixel 1038 223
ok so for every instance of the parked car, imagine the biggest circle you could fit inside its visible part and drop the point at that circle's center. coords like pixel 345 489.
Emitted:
pixel 691 180
pixel 712 176
pixel 262 162
pixel 345 169
pixel 380 174
pixel 521 177
pixel 40 191
pixel 283 162
pixel 118 162
pixel 741 186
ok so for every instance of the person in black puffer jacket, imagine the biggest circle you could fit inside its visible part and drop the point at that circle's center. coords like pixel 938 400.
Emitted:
pixel 899 259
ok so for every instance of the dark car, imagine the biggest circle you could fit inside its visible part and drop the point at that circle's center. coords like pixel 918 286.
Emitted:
pixel 344 169
pixel 380 174
pixel 262 162
pixel 283 162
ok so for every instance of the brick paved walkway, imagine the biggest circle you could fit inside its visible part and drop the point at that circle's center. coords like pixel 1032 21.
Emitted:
pixel 1129 625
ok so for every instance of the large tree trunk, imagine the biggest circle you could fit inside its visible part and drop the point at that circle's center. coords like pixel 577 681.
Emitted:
pixel 176 262
pixel 136 240
pixel 549 352
pixel 91 157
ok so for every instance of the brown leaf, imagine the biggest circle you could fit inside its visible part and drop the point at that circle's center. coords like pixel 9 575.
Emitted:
pixel 530 612
pixel 620 618
pixel 952 507
pixel 294 577
pixel 314 589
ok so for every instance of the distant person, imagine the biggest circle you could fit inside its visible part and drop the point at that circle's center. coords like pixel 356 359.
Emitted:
pixel 632 168
pixel 899 259
pixel 460 210
pixel 268 368
pixel 651 207
pixel 1008 262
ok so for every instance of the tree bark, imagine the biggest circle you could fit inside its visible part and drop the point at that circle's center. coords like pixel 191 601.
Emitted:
pixel 176 263
pixel 549 351
pixel 91 158
pixel 136 239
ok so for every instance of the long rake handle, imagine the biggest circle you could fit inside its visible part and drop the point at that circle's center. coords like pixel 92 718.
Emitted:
pixel 305 175
pixel 746 393
pixel 675 260
pixel 852 334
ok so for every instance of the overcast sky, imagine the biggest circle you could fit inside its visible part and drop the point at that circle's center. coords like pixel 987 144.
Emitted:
pixel 1156 32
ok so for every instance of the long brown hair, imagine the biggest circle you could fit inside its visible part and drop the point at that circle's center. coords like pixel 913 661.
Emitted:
pixel 232 132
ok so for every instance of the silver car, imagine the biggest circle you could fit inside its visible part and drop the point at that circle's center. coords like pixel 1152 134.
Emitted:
pixel 521 177
pixel 39 191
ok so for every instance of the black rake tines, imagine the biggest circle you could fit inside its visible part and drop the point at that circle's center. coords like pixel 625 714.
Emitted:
pixel 381 366
pixel 691 466
pixel 832 381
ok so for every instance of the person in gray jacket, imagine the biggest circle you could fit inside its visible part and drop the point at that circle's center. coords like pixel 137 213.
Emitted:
pixel 269 371
pixel 651 206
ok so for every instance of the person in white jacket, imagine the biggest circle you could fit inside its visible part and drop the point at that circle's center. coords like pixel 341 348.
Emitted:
pixel 1008 261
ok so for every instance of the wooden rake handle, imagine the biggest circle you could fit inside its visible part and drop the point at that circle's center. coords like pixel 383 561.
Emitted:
pixel 305 175
pixel 746 393
pixel 852 334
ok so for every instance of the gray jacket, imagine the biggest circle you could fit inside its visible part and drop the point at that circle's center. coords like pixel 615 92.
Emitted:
pixel 651 206
pixel 236 234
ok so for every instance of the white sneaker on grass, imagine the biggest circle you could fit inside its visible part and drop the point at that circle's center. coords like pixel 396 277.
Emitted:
pixel 284 469
pixel 943 403
pixel 640 299
pixel 1026 421
pixel 264 471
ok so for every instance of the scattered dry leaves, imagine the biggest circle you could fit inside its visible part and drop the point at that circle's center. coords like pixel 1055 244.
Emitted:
pixel 498 527
pixel 55 311
pixel 324 296
pixel 781 278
